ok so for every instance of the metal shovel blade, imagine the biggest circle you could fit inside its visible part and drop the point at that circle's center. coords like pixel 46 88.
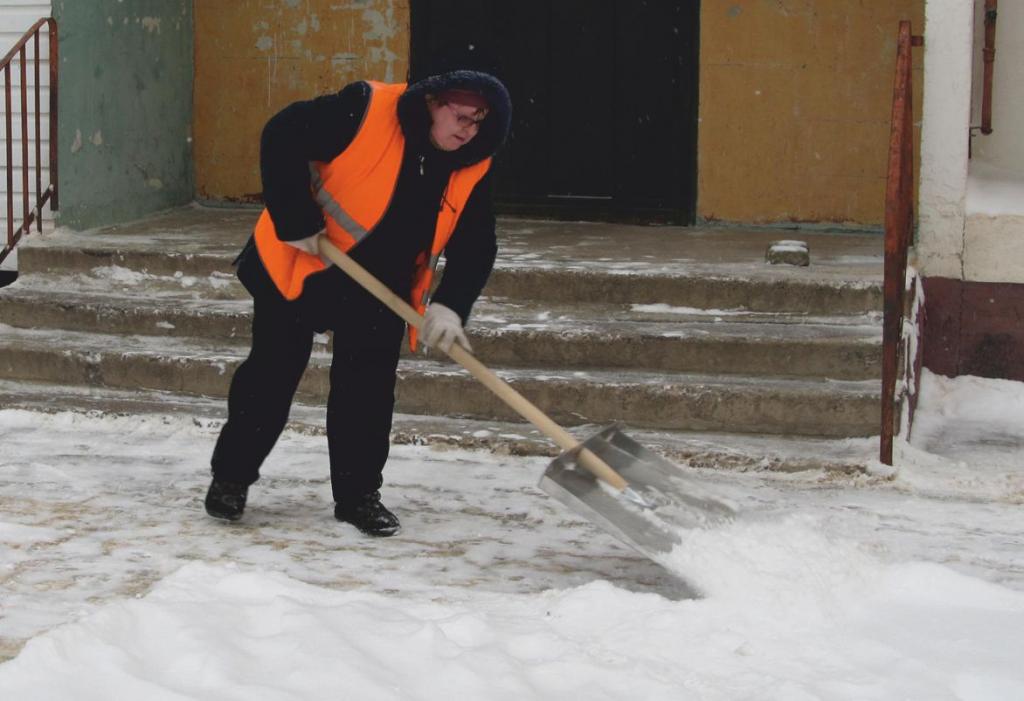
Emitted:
pixel 670 501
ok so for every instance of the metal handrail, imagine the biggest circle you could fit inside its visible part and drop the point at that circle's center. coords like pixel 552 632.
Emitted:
pixel 33 214
pixel 899 224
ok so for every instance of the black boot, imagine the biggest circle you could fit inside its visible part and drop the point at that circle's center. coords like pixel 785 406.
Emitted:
pixel 226 500
pixel 368 515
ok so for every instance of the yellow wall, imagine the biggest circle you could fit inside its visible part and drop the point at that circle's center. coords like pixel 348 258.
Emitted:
pixel 254 57
pixel 795 102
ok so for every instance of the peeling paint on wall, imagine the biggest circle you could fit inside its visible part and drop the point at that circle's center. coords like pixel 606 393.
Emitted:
pixel 254 57
pixel 342 60
pixel 381 29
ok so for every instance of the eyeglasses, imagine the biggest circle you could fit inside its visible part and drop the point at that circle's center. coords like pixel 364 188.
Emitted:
pixel 465 121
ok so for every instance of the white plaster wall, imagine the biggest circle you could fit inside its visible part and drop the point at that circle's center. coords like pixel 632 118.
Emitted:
pixel 995 248
pixel 946 112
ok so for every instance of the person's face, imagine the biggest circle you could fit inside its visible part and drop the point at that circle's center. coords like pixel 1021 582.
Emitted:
pixel 453 125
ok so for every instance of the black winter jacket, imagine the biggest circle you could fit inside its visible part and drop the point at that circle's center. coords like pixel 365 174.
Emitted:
pixel 319 130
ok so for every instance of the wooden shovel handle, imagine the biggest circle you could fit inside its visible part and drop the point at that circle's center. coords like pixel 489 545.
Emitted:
pixel 562 438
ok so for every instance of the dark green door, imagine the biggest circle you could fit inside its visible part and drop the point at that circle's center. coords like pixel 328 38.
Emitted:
pixel 604 101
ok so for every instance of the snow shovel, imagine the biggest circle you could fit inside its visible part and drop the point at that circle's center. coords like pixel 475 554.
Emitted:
pixel 610 479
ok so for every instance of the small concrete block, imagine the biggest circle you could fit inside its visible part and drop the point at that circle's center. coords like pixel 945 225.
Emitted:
pixel 788 252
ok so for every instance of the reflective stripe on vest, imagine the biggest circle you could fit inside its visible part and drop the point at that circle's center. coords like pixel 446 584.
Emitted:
pixel 331 207
pixel 354 190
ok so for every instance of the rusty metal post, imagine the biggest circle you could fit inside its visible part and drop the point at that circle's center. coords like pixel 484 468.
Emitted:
pixel 24 142
pixel 54 64
pixel 39 139
pixel 898 219
pixel 989 58
pixel 10 172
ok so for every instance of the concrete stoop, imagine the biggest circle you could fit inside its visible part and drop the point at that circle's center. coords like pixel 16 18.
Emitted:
pixel 685 336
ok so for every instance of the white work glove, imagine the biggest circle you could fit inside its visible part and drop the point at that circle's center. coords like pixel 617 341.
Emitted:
pixel 310 245
pixel 442 327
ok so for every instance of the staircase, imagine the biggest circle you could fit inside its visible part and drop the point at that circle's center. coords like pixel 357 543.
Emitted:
pixel 684 335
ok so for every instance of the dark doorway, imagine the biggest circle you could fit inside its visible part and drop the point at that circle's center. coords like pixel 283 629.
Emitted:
pixel 605 101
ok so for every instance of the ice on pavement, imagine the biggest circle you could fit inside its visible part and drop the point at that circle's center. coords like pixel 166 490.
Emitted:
pixel 901 584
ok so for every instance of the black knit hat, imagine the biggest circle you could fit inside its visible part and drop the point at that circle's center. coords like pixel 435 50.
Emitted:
pixel 466 68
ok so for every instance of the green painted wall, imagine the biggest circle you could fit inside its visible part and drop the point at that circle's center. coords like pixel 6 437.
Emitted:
pixel 124 128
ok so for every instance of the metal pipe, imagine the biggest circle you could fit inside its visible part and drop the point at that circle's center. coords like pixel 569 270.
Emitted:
pixel 989 58
pixel 10 173
pixel 22 57
pixel 54 189
pixel 39 158
pixel 899 223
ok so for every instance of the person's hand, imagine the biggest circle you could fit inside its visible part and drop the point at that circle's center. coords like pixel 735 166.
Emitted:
pixel 310 245
pixel 442 327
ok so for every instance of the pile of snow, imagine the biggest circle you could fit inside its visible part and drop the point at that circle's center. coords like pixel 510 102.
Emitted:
pixel 967 439
pixel 818 626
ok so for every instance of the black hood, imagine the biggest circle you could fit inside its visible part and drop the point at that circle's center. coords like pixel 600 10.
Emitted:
pixel 415 118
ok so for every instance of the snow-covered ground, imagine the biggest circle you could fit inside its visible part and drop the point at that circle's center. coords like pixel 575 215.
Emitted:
pixel 901 584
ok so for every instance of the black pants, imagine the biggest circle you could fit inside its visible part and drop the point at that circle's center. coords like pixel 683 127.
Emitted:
pixel 367 342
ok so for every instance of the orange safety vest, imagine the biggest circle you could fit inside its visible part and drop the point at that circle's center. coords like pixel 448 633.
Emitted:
pixel 354 191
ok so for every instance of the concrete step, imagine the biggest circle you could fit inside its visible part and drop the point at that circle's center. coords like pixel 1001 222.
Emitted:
pixel 708 269
pixel 504 332
pixel 106 278
pixel 513 333
pixel 137 309
pixel 564 285
pixel 696 449
pixel 723 292
pixel 653 400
